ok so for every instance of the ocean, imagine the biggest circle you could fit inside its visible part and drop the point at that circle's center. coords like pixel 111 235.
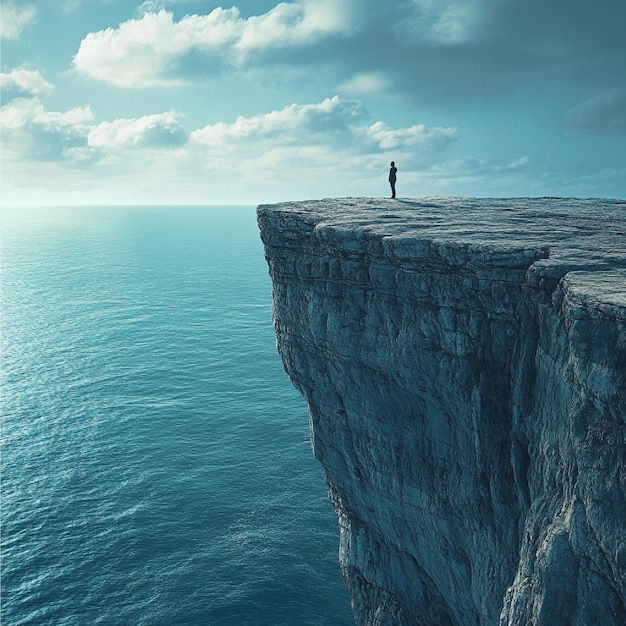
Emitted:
pixel 156 464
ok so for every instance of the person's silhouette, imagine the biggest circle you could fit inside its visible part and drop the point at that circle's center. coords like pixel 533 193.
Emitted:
pixel 392 179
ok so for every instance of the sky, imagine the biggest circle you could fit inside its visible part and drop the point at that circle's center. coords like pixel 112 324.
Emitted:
pixel 195 102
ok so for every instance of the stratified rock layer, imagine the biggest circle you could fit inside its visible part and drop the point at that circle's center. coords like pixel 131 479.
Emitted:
pixel 464 365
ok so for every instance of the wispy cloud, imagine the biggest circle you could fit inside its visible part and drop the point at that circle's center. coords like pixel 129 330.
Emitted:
pixel 603 115
pixel 15 19
pixel 434 23
pixel 364 83
pixel 471 167
pixel 326 139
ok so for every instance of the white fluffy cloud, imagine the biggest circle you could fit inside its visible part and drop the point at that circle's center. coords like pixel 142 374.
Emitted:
pixel 146 51
pixel 295 24
pixel 418 136
pixel 297 123
pixel 150 131
pixel 327 140
pixel 17 115
pixel 328 147
pixel 15 19
pixel 33 133
pixel 152 49
pixel 155 48
pixel 337 123
pixel 21 83
pixel 313 135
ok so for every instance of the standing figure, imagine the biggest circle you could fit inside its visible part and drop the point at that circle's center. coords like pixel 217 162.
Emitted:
pixel 392 179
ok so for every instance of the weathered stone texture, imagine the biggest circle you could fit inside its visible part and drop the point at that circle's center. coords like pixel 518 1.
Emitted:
pixel 464 366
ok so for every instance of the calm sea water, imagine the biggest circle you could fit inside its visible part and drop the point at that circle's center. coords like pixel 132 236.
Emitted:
pixel 156 467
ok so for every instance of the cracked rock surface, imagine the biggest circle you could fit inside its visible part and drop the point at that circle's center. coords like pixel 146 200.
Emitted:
pixel 464 365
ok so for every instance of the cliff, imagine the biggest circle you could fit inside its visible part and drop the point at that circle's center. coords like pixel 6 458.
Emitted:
pixel 464 366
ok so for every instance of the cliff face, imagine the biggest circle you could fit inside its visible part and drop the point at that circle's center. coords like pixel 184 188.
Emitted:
pixel 464 365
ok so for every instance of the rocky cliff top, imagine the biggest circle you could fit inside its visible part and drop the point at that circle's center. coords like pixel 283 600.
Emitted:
pixel 554 235
pixel 563 223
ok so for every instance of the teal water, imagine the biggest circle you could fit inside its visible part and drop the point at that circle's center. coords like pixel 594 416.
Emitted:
pixel 156 466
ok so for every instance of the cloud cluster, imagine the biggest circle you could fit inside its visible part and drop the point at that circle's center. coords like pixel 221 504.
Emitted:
pixel 148 51
pixel 33 133
pixel 329 130
pixel 295 124
pixel 22 83
pixel 268 150
pixel 323 136
pixel 28 130
pixel 150 131
pixel 414 57
pixel 154 49
pixel 423 48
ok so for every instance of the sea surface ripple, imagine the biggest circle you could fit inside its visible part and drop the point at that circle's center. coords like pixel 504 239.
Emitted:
pixel 156 466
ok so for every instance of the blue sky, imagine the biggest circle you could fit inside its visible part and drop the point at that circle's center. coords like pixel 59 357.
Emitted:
pixel 172 101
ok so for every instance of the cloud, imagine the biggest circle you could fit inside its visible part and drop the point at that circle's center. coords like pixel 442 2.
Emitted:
pixel 153 49
pixel 336 123
pixel 329 147
pixel 427 140
pixel 364 83
pixel 15 19
pixel 442 23
pixel 295 124
pixel 603 115
pixel 424 49
pixel 477 176
pixel 332 126
pixel 150 131
pixel 295 25
pixel 33 133
pixel 300 144
pixel 150 50
pixel 21 83
pixel 324 139
pixel 472 167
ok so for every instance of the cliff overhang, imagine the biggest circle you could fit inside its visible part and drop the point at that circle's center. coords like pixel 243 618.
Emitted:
pixel 464 365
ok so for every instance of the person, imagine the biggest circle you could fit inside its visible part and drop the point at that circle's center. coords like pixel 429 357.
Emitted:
pixel 392 179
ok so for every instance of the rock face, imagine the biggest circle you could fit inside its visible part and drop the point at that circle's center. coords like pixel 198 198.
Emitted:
pixel 464 366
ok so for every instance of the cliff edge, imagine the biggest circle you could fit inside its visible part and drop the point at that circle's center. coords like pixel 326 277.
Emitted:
pixel 464 366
